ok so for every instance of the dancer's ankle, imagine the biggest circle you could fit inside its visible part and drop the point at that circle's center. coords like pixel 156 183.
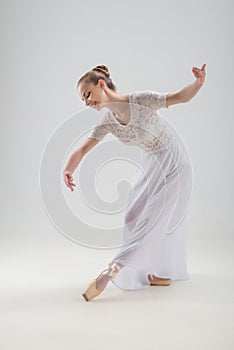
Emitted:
pixel 108 274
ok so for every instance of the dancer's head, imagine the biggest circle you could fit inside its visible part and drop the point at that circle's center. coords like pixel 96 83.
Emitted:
pixel 95 86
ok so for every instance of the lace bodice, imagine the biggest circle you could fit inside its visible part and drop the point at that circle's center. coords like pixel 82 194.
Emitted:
pixel 146 127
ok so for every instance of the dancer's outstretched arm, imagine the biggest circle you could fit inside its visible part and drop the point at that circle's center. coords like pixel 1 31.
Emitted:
pixel 189 91
pixel 75 159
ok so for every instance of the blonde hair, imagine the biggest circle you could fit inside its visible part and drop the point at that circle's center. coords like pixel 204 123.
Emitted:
pixel 98 72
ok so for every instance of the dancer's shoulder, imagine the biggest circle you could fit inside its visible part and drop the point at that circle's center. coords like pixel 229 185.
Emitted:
pixel 150 98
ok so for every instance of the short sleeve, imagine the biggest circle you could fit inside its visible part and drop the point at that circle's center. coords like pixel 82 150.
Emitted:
pixel 100 130
pixel 156 100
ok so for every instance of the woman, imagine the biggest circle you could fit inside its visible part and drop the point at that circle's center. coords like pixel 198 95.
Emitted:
pixel 150 254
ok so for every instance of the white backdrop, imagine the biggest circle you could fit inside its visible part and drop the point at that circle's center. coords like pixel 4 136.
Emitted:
pixel 47 45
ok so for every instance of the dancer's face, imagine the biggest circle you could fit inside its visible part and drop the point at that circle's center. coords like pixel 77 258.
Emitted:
pixel 93 95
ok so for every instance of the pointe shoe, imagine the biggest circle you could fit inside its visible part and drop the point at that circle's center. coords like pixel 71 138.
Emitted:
pixel 91 291
pixel 157 281
pixel 97 286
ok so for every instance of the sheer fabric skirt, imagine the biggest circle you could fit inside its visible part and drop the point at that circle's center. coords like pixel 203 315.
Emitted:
pixel 156 219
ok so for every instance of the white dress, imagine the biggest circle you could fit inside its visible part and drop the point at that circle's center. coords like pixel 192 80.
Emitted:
pixel 155 222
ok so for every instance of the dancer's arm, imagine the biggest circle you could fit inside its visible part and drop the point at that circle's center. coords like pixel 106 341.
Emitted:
pixel 75 159
pixel 189 91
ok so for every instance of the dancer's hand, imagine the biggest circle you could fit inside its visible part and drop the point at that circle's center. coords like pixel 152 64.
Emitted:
pixel 199 74
pixel 68 179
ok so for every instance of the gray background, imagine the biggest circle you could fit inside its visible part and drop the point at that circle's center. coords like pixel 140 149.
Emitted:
pixel 45 47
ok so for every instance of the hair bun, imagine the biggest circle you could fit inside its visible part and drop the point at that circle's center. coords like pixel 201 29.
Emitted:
pixel 102 69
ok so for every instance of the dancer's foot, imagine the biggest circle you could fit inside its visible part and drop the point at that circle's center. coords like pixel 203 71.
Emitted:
pixel 158 281
pixel 97 286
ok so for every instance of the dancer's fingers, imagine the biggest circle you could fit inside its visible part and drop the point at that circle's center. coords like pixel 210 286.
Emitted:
pixel 203 67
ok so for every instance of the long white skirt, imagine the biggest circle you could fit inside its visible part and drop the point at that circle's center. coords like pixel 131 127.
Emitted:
pixel 156 222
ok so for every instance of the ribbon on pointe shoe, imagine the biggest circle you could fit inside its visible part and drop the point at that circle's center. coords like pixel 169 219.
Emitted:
pixel 108 274
pixel 115 268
